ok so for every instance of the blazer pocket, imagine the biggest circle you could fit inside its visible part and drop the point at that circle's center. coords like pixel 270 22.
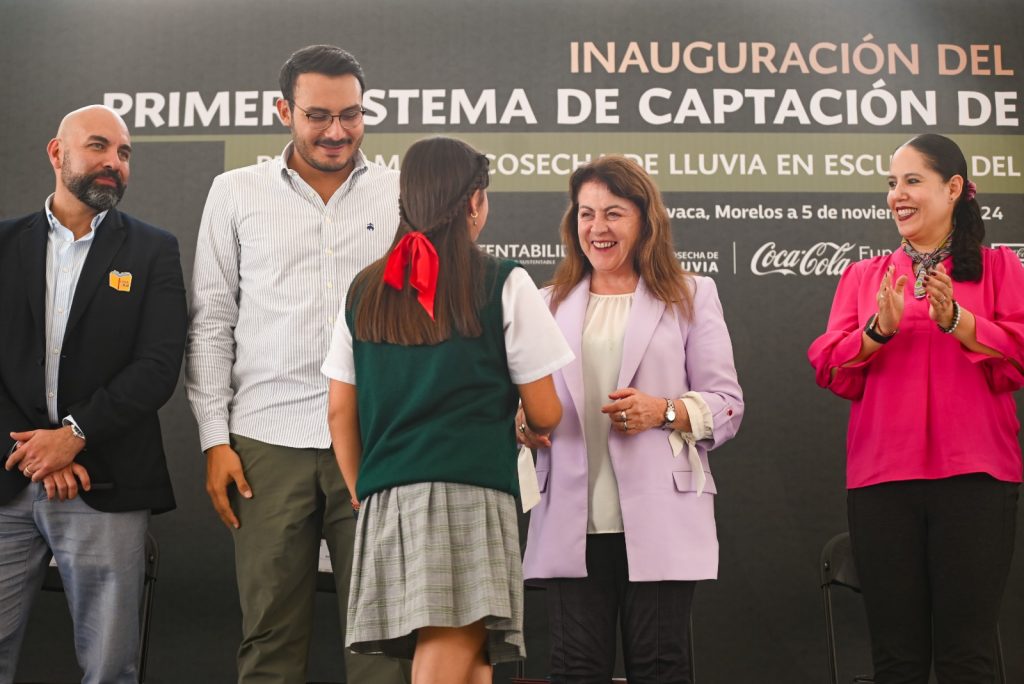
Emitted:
pixel 542 480
pixel 686 483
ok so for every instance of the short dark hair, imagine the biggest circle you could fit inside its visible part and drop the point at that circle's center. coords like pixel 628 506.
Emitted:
pixel 318 59
pixel 945 158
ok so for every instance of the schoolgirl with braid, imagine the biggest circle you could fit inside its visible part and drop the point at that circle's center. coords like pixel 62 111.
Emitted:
pixel 433 351
pixel 928 345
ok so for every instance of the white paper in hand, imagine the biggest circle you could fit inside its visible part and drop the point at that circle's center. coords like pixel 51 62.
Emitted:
pixel 529 490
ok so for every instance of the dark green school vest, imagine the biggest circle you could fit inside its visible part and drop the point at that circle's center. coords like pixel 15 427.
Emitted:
pixel 439 413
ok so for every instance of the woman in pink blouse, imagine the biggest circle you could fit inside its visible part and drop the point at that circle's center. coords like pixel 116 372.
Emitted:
pixel 928 344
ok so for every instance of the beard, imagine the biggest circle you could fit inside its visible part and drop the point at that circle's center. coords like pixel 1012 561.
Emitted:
pixel 94 195
pixel 307 150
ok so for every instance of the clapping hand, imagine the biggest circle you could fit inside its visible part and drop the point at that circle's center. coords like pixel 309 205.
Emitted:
pixel 890 303
pixel 939 288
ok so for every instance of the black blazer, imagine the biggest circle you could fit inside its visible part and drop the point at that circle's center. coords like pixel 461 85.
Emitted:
pixel 119 362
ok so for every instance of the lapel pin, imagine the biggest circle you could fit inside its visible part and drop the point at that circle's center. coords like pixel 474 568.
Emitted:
pixel 121 281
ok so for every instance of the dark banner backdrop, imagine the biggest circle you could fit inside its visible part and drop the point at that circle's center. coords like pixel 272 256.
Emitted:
pixel 767 124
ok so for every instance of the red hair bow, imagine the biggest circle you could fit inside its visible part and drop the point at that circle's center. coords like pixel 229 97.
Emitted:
pixel 417 252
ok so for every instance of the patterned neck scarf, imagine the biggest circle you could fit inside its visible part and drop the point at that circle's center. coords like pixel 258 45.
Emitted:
pixel 926 261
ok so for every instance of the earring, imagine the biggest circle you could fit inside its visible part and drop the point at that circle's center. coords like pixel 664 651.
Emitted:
pixel 474 215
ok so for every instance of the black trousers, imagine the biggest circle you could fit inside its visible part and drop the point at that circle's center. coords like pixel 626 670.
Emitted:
pixel 933 558
pixel 654 618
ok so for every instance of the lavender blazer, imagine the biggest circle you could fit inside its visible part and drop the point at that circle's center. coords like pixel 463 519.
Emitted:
pixel 670 531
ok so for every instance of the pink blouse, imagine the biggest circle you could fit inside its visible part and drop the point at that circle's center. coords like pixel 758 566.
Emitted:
pixel 924 406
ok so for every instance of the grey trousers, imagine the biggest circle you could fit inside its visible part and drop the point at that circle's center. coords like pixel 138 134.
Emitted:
pixel 101 557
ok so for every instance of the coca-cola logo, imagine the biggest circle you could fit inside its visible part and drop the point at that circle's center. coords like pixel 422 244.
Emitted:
pixel 820 259
pixel 1017 247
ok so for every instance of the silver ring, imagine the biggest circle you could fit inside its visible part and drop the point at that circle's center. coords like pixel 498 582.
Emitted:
pixel 622 416
pixel 625 426
pixel 522 428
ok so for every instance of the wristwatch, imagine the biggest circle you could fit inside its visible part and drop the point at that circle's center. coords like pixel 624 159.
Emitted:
pixel 872 331
pixel 670 415
pixel 75 430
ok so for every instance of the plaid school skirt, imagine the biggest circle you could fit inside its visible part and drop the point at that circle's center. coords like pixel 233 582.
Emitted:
pixel 436 554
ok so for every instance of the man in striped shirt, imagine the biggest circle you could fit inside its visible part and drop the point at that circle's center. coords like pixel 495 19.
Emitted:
pixel 278 246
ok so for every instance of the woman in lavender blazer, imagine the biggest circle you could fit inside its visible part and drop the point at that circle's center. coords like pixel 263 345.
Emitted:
pixel 625 526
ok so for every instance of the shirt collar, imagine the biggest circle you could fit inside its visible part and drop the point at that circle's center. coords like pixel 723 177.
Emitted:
pixel 287 173
pixel 61 230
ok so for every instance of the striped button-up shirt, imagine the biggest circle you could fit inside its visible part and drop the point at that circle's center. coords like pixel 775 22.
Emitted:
pixel 273 264
pixel 65 257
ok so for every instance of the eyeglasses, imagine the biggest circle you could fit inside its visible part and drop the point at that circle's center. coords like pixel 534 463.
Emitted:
pixel 321 121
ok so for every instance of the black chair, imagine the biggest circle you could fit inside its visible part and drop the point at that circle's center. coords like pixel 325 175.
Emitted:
pixel 53 582
pixel 837 569
pixel 324 579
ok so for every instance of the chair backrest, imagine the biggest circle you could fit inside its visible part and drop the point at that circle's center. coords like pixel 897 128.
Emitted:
pixel 152 557
pixel 152 567
pixel 51 579
pixel 837 565
pixel 53 582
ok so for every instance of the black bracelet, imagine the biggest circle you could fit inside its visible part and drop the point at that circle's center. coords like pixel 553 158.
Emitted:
pixel 878 337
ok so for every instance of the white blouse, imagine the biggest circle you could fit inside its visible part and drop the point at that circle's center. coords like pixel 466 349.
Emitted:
pixel 604 331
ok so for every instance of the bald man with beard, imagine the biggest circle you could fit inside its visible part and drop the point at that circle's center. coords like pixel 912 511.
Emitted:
pixel 92 309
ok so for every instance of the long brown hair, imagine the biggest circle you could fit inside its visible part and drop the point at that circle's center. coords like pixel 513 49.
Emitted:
pixel 438 177
pixel 654 256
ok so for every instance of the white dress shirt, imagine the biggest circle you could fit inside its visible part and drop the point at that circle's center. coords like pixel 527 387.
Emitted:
pixel 65 257
pixel 273 263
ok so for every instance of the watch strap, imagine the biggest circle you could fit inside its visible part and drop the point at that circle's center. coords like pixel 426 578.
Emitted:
pixel 75 430
pixel 670 408
pixel 874 334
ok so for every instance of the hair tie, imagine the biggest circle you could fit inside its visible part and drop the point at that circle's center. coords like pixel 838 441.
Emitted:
pixel 971 191
pixel 417 252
